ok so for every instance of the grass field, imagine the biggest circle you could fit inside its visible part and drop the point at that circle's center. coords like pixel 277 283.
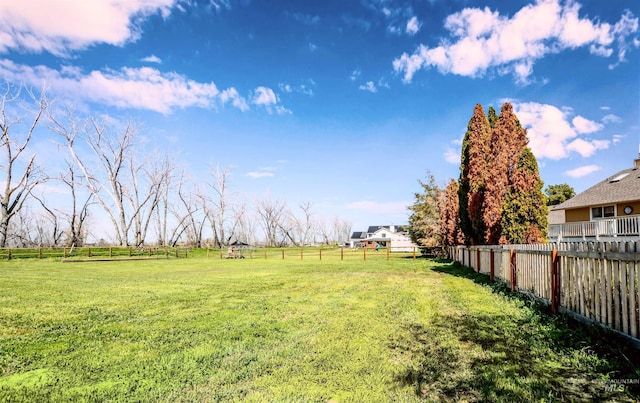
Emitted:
pixel 203 329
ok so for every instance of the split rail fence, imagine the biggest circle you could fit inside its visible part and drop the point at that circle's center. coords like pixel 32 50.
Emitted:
pixel 595 281
pixel 385 253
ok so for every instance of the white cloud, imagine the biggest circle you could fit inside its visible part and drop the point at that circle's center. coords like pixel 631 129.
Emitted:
pixel 59 27
pixel 355 74
pixel 587 148
pixel 264 96
pixel 617 138
pixel 482 39
pixel 264 172
pixel 413 26
pixel 582 171
pixel 259 174
pixel 585 126
pixel 452 156
pixel 220 4
pixel 397 207
pixel 369 86
pixel 152 59
pixel 552 136
pixel 231 94
pixel 136 88
pixel 306 89
pixel 611 118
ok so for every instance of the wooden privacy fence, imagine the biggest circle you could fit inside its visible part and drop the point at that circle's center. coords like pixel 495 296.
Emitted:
pixel 598 281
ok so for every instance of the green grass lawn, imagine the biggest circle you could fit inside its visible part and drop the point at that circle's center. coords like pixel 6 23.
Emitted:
pixel 203 329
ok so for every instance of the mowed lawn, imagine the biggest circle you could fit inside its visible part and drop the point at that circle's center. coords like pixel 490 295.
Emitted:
pixel 260 330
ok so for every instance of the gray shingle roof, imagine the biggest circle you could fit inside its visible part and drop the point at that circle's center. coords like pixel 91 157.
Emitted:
pixel 359 235
pixel 625 189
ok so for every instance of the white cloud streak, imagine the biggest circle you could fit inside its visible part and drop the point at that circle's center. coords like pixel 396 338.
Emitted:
pixel 136 88
pixel 452 156
pixel 553 136
pixel 60 27
pixel 152 59
pixel 582 171
pixel 482 39
pixel 369 86
pixel 413 26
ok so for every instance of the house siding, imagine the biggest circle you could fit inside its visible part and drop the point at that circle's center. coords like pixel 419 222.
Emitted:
pixel 577 215
pixel 620 208
pixel 584 213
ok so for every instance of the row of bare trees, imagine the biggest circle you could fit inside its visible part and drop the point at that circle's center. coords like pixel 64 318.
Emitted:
pixel 146 197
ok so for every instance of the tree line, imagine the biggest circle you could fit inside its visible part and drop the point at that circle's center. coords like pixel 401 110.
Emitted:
pixel 146 196
pixel 498 197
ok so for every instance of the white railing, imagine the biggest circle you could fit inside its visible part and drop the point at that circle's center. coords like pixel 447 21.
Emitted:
pixel 604 228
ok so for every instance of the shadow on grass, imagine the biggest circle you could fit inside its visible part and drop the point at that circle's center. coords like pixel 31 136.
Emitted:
pixel 535 356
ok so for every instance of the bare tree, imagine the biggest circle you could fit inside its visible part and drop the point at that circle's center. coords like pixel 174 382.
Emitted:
pixel 304 225
pixel 342 229
pixel 189 214
pixel 105 181
pixel 129 189
pixel 325 230
pixel 48 227
pixel 21 175
pixel 162 210
pixel 270 214
pixel 246 224
pixel 77 217
pixel 148 180
pixel 223 225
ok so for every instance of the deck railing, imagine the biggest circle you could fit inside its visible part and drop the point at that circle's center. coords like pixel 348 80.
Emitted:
pixel 617 227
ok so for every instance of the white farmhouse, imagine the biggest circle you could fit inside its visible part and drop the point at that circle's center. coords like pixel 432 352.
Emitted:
pixel 396 237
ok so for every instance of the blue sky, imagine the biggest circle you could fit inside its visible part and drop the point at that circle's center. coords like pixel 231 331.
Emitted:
pixel 343 103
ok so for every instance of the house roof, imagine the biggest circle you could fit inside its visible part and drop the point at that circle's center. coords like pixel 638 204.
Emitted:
pixel 623 186
pixel 396 228
pixel 374 228
pixel 358 235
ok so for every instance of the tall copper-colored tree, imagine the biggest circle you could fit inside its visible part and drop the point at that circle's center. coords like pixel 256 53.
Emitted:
pixel 476 154
pixel 450 216
pixel 508 139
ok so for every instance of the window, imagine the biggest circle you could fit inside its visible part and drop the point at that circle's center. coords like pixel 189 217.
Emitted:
pixel 603 212
pixel 384 235
pixel 619 177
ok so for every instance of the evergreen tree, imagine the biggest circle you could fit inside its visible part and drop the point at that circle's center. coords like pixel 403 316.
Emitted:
pixel 557 194
pixel 450 216
pixel 508 138
pixel 476 154
pixel 493 117
pixel 524 212
pixel 424 221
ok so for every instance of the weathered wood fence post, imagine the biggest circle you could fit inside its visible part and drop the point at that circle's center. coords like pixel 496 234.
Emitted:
pixel 555 281
pixel 492 265
pixel 514 271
